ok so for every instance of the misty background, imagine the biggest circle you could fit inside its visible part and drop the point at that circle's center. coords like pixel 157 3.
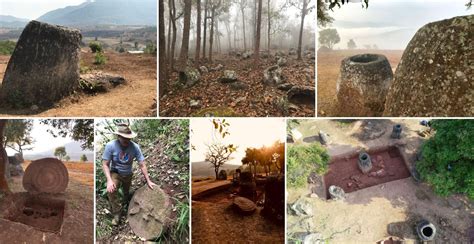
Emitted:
pixel 390 24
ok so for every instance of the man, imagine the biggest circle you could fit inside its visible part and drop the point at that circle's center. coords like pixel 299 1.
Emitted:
pixel 117 165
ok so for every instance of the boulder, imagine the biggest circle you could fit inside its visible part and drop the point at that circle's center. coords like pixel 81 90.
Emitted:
pixel 301 207
pixel 218 67
pixel 272 75
pixel 16 170
pixel 229 76
pixel 364 163
pixel 222 175
pixel 435 74
pixel 189 76
pixel 97 82
pixel 282 61
pixel 248 187
pixel 244 205
pixel 274 206
pixel 285 86
pixel 203 69
pixel 336 193
pixel 247 55
pixel 149 212
pixel 44 66
pixel 363 84
pixel 238 85
pixel 47 175
pixel 302 95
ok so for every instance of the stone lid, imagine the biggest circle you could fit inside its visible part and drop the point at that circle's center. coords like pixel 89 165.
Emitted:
pixel 149 212
pixel 47 175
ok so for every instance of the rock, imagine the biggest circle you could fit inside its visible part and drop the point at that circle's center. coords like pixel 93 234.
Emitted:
pixel 248 187
pixel 44 66
pixel 218 67
pixel 323 138
pixel 194 104
pixel 247 55
pixel 444 88
pixel 238 85
pixel 272 75
pixel 16 170
pixel 47 175
pixel 314 238
pixel 99 82
pixel 16 159
pixel 149 212
pixel 426 231
pixel 203 69
pixel 229 76
pixel 301 208
pixel 454 203
pixel 292 51
pixel 336 193
pixel 301 95
pixel 274 204
pixel 285 86
pixel 296 134
pixel 244 205
pixel 364 163
pixel 189 76
pixel 362 85
pixel 34 108
pixel 222 175
pixel 281 62
pixel 279 53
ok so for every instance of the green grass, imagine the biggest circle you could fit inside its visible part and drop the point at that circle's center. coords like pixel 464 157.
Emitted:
pixel 7 47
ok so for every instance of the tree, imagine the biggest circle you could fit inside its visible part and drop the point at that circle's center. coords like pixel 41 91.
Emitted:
pixel 81 130
pixel 67 158
pixel 447 161
pixel 183 54
pixel 258 32
pixel 304 159
pixel 243 5
pixel 351 44
pixel 18 135
pixel 305 8
pixel 218 154
pixel 84 158
pixel 60 152
pixel 329 37
pixel 3 160
pixel 198 30
pixel 162 43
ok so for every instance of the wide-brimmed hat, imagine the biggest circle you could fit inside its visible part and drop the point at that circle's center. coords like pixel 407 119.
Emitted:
pixel 124 130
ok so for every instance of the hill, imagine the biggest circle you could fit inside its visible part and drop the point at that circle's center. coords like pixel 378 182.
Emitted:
pixel 73 149
pixel 204 169
pixel 105 12
pixel 8 21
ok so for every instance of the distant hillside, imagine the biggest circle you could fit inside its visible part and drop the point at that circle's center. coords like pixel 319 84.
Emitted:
pixel 105 12
pixel 8 21
pixel 73 149
pixel 204 169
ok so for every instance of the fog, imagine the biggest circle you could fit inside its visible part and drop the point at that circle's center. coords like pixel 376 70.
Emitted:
pixel 390 24
pixel 32 9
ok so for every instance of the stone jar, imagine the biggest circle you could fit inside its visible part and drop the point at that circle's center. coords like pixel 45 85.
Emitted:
pixel 363 84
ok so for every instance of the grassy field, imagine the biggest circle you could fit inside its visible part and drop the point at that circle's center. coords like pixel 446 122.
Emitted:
pixel 328 72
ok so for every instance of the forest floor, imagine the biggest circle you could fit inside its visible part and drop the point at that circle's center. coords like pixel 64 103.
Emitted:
pixel 78 221
pixel 329 64
pixel 172 178
pixel 136 98
pixel 366 214
pixel 213 98
pixel 215 221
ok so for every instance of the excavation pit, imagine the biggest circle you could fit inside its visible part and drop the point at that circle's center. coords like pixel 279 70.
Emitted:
pixel 388 164
pixel 42 213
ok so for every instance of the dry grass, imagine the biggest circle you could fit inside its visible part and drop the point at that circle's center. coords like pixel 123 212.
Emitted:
pixel 134 99
pixel 78 171
pixel 328 72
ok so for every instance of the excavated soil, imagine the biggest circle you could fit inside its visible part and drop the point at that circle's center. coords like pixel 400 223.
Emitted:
pixel 387 165
pixel 41 213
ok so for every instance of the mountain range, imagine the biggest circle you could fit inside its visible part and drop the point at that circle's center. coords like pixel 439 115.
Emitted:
pixel 8 21
pixel 73 149
pixel 105 12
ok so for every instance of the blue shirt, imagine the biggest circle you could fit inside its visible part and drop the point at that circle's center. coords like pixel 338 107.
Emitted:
pixel 121 158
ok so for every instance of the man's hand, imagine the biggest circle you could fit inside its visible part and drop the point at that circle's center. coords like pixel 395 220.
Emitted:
pixel 111 186
pixel 151 184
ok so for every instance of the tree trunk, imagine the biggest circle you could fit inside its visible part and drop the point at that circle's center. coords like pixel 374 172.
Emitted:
pixel 162 49
pixel 229 34
pixel 243 26
pixel 303 14
pixel 269 25
pixel 173 43
pixel 3 160
pixel 205 30
pixel 198 31
pixel 216 170
pixel 183 54
pixel 257 36
pixel 168 43
pixel 211 35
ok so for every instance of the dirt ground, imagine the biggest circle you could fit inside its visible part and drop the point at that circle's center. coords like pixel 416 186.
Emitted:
pixel 258 100
pixel 78 224
pixel 328 71
pixel 215 221
pixel 137 98
pixel 365 214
